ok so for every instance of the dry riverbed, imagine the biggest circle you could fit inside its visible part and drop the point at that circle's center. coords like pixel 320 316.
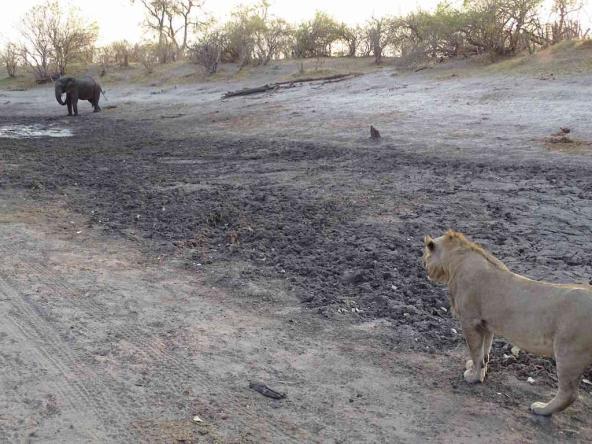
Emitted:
pixel 160 256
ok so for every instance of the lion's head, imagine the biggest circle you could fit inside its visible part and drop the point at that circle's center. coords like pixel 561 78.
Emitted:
pixel 440 255
pixel 435 259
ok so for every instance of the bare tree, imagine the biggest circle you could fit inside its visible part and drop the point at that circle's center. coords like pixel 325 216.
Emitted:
pixel 37 49
pixel 181 17
pixel 52 39
pixel 171 21
pixel 156 16
pixel 10 58
pixel 72 39
pixel 564 28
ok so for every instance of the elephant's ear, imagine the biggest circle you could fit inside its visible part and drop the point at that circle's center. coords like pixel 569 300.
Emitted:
pixel 70 84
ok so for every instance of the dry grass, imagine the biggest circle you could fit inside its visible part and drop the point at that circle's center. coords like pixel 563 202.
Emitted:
pixel 565 58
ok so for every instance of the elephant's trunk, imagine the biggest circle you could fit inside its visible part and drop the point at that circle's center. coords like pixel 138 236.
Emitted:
pixel 58 94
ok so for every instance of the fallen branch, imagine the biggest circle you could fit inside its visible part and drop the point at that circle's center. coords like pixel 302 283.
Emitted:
pixel 247 91
pixel 315 79
pixel 289 83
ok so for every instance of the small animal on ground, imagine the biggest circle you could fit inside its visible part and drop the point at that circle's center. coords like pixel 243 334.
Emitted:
pixel 543 318
pixel 85 88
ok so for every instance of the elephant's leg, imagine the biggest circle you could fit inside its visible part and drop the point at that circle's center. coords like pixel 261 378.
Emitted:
pixel 75 106
pixel 97 98
pixel 69 103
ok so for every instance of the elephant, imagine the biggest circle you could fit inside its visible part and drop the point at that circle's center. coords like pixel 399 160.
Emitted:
pixel 85 88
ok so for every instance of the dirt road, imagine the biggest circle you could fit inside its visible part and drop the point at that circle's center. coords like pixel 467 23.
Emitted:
pixel 154 263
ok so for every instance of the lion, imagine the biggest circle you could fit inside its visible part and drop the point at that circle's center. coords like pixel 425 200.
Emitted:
pixel 548 319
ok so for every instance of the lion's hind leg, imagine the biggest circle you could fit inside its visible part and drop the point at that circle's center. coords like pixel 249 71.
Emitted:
pixel 570 367
pixel 476 337
pixel 487 342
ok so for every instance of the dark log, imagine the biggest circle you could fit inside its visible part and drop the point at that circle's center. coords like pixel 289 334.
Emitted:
pixel 319 79
pixel 288 84
pixel 247 91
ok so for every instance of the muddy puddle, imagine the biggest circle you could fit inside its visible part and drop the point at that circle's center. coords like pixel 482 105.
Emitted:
pixel 30 131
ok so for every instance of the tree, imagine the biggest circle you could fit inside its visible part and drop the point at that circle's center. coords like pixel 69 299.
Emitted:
pixel 501 26
pixel 316 37
pixel 272 40
pixel 564 28
pixel 72 39
pixel 156 14
pixel 53 40
pixel 10 58
pixel 171 21
pixel 181 16
pixel 435 35
pixel 37 48
pixel 353 37
pixel 381 33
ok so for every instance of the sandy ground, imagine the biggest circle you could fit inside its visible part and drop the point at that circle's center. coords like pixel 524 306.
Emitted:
pixel 179 246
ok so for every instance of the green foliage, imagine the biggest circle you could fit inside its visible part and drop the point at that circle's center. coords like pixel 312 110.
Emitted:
pixel 480 26
pixel 437 34
pixel 316 37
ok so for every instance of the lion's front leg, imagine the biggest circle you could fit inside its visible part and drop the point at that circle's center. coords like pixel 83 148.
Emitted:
pixel 476 341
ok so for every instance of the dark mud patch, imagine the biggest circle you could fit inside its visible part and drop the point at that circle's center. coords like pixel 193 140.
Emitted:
pixel 341 228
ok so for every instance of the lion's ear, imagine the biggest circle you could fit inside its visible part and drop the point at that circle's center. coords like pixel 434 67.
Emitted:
pixel 429 242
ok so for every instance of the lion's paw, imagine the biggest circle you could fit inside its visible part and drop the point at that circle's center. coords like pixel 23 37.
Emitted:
pixel 539 408
pixel 472 376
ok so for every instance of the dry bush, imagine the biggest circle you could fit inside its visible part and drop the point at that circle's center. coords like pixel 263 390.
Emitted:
pixel 122 51
pixel 207 51
pixel 148 56
pixel 10 58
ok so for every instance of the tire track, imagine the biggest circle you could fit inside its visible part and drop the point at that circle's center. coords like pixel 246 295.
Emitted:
pixel 184 373
pixel 54 353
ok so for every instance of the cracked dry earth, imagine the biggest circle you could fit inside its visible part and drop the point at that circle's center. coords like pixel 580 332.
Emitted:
pixel 149 273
